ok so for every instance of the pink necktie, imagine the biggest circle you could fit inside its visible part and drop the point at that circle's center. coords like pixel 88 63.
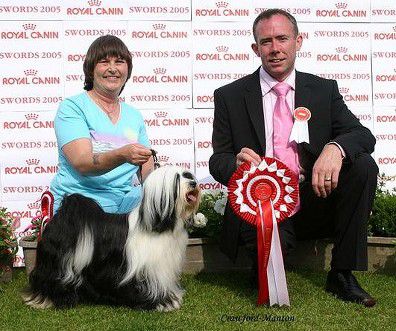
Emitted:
pixel 283 122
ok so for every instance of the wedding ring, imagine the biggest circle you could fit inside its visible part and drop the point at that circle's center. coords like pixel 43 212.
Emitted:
pixel 327 179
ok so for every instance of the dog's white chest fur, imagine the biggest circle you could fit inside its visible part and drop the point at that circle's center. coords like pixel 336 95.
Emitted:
pixel 157 258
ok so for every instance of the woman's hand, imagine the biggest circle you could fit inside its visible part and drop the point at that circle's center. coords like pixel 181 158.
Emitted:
pixel 136 154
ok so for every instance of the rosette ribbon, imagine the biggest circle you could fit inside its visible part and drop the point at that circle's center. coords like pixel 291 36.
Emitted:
pixel 300 132
pixel 264 195
pixel 47 210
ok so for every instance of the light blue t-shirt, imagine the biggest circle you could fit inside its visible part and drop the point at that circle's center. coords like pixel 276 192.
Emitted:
pixel 118 190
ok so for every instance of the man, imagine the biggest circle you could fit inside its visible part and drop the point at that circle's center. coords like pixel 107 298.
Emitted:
pixel 337 174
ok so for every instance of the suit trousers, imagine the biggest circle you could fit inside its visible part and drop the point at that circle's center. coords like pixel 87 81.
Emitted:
pixel 341 216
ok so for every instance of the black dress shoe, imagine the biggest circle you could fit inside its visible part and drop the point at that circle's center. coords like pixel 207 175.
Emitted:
pixel 345 286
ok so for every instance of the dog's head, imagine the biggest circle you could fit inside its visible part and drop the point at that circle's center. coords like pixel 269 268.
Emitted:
pixel 170 195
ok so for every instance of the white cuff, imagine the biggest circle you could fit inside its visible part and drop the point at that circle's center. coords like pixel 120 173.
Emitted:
pixel 343 155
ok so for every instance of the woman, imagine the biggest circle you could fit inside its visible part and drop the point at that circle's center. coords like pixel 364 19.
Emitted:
pixel 102 142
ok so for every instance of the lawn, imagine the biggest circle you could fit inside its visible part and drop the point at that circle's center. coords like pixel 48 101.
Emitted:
pixel 217 302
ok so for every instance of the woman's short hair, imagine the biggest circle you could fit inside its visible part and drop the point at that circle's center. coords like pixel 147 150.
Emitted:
pixel 101 48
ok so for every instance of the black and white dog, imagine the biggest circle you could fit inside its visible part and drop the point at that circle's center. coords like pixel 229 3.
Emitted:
pixel 87 255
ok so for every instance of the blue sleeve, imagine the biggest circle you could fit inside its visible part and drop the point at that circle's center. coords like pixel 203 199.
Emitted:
pixel 70 123
pixel 143 139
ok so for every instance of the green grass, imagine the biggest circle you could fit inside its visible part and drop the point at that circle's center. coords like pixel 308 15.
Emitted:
pixel 210 300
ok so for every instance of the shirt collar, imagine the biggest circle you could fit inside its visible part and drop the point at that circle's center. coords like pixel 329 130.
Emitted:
pixel 268 82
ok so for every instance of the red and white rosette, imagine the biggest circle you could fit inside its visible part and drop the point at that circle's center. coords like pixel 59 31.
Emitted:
pixel 47 210
pixel 300 132
pixel 264 195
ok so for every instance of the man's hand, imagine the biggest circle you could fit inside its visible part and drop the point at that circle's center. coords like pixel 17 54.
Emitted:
pixel 326 171
pixel 247 155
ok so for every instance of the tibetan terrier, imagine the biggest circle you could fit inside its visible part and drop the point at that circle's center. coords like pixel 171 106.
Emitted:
pixel 87 255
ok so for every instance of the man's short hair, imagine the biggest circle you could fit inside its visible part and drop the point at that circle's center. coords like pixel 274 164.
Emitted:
pixel 267 14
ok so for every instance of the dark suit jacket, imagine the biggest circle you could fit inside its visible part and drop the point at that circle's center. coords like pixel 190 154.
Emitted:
pixel 239 122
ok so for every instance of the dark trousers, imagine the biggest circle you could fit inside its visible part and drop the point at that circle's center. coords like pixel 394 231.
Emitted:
pixel 342 216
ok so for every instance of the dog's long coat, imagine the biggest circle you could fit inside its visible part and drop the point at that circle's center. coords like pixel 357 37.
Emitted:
pixel 87 255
